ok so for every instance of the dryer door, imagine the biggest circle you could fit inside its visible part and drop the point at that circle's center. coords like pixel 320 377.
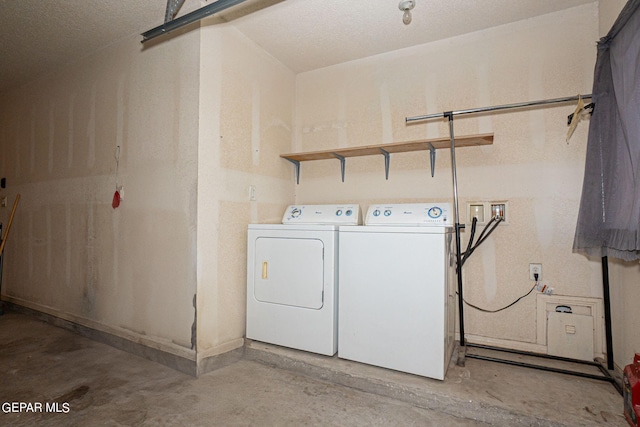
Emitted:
pixel 289 271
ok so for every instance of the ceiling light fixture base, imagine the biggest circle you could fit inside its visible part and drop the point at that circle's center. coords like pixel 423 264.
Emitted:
pixel 406 6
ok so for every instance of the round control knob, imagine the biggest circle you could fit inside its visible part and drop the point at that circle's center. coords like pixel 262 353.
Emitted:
pixel 348 212
pixel 376 212
pixel 387 212
pixel 339 212
pixel 295 212
pixel 434 212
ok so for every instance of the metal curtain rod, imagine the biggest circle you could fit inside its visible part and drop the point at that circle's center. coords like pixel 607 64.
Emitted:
pixel 496 108
pixel 194 16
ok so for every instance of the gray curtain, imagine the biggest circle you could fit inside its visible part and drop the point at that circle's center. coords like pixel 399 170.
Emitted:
pixel 609 216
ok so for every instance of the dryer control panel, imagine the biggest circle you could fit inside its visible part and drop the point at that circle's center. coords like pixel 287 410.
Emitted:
pixel 347 214
pixel 408 214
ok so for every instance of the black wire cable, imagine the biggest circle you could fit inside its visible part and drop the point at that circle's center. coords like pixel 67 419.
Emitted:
pixel 483 236
pixel 486 227
pixel 474 222
pixel 464 255
pixel 471 247
pixel 499 309
pixel 482 239
pixel 486 232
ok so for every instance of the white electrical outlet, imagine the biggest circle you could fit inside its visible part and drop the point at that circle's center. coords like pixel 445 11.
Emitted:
pixel 535 269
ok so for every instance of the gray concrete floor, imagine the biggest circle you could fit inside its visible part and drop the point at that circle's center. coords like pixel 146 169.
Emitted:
pixel 273 386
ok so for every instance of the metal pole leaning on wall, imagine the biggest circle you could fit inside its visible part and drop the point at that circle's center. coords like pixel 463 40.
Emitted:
pixel 458 228
pixel 4 241
pixel 6 232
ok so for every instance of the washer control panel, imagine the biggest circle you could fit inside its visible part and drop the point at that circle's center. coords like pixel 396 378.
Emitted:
pixel 408 214
pixel 348 214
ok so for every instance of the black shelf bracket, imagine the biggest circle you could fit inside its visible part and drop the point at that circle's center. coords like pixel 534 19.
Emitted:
pixel 387 160
pixel 296 163
pixel 342 164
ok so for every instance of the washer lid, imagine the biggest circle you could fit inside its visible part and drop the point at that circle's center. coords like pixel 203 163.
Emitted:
pixel 410 214
pixel 347 214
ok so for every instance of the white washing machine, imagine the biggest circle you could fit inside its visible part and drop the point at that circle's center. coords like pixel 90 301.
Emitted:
pixel 397 293
pixel 292 277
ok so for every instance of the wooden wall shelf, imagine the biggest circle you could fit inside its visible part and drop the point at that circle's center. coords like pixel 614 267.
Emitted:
pixel 386 150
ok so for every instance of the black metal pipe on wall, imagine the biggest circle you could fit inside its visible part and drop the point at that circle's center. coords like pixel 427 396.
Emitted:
pixel 607 311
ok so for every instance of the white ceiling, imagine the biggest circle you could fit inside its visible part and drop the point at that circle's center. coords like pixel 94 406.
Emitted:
pixel 40 36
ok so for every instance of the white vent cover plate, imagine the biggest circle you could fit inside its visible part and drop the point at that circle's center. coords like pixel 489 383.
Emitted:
pixel 570 335
pixel 555 333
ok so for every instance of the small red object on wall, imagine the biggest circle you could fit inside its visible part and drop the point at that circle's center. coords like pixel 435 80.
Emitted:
pixel 116 200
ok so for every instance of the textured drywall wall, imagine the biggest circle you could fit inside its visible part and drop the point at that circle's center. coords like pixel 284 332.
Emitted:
pixel 608 11
pixel 246 108
pixel 133 271
pixel 529 165
pixel 128 271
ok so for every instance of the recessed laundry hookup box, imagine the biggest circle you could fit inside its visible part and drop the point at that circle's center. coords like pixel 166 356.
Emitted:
pixel 570 326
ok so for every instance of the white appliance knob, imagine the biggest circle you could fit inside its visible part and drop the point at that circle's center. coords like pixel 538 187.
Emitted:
pixel 435 212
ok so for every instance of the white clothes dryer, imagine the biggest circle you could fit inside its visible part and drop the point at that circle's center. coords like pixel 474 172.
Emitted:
pixel 397 294
pixel 292 277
